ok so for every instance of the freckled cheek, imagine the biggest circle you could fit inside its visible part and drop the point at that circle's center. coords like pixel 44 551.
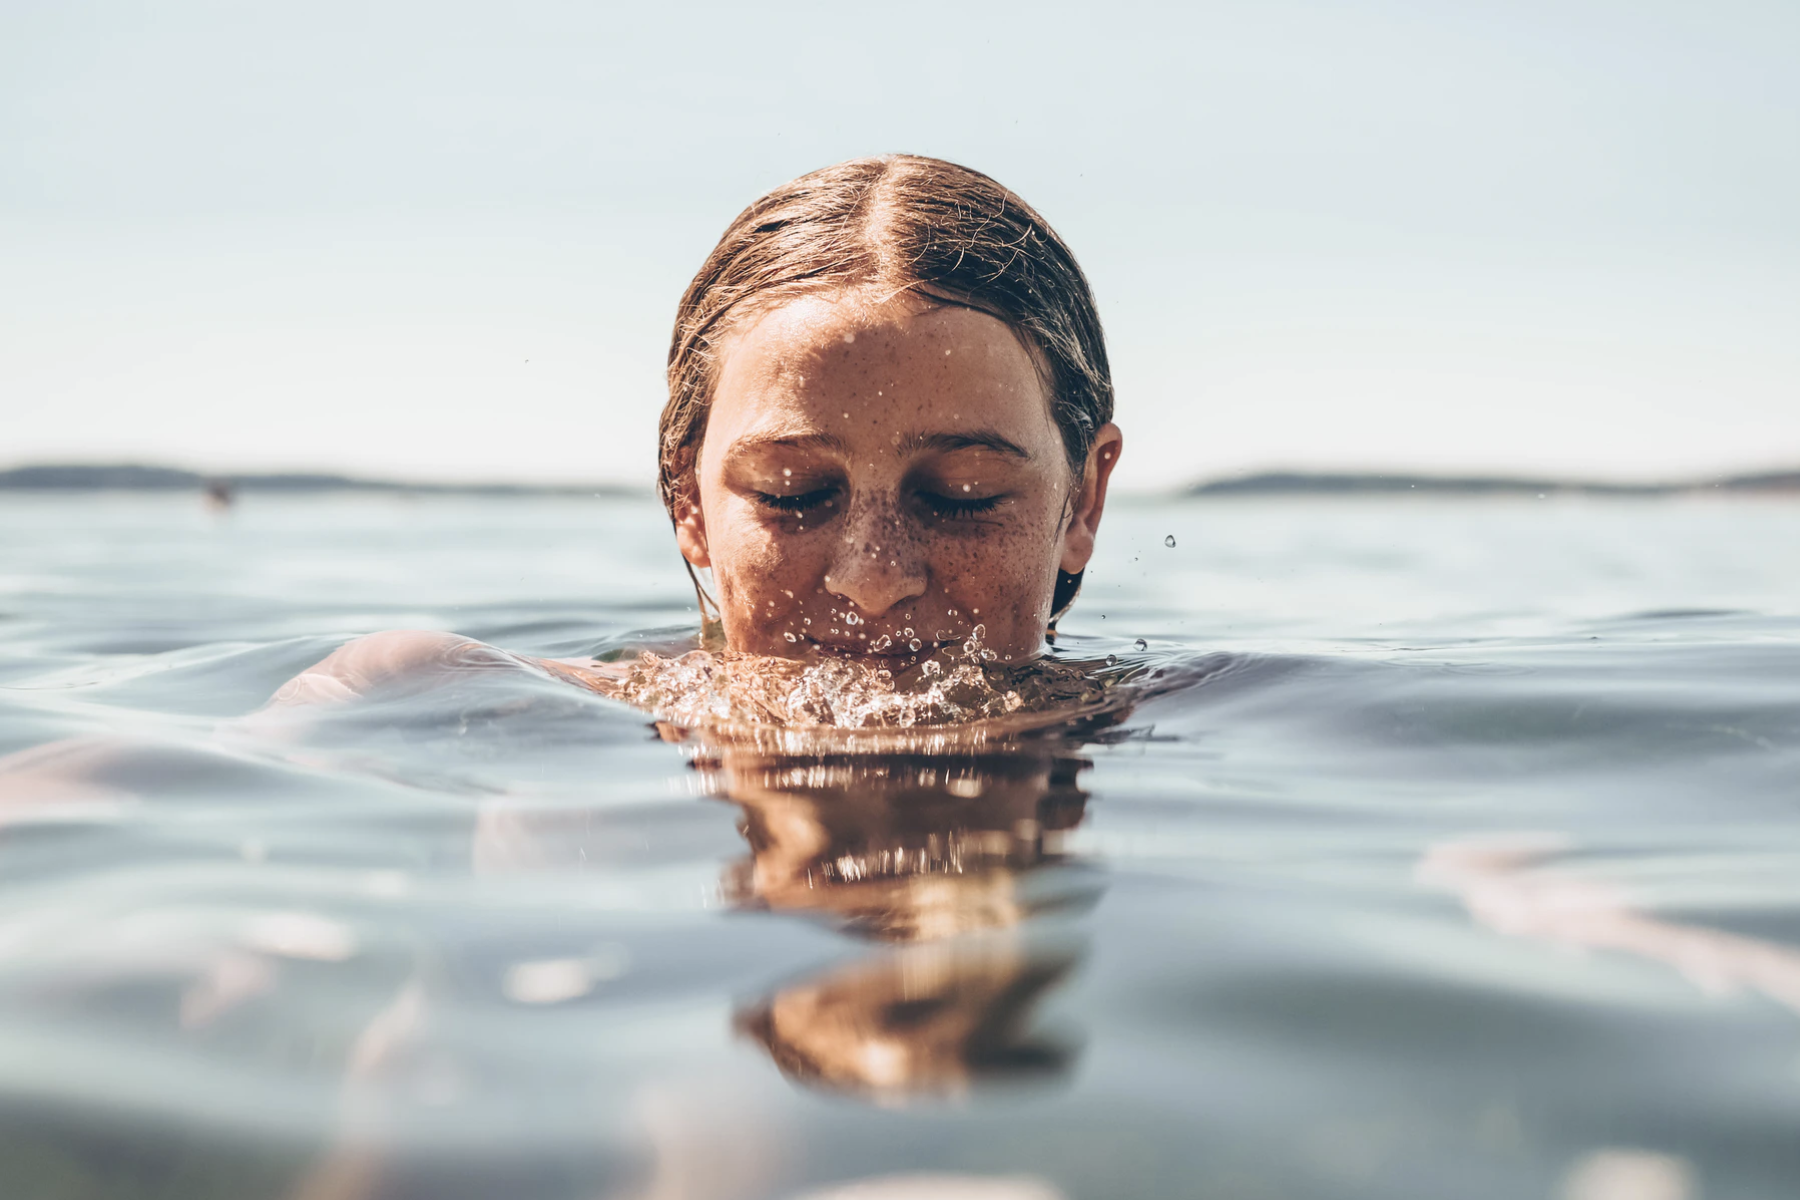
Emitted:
pixel 996 575
pixel 1002 583
pixel 756 568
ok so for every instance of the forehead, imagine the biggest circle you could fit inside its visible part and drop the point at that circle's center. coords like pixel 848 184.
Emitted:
pixel 822 361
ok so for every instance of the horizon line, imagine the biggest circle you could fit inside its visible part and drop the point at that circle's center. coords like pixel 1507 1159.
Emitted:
pixel 139 476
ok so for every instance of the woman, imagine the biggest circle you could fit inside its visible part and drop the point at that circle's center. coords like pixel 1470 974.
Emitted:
pixel 888 437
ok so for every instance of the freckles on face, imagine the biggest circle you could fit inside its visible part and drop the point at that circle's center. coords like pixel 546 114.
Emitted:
pixel 876 475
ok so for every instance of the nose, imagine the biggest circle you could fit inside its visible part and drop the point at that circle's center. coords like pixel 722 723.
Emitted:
pixel 877 566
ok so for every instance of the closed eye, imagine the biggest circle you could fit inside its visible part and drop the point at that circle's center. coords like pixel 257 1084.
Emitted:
pixel 799 503
pixel 951 508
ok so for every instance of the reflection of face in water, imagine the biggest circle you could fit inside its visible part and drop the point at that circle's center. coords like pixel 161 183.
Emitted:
pixel 949 854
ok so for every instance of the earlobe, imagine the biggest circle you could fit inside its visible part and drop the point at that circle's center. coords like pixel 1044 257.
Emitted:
pixel 1090 501
pixel 690 535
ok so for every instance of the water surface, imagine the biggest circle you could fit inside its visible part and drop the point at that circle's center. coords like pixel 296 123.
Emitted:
pixel 1456 853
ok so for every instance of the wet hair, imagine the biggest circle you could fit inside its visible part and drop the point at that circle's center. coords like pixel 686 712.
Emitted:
pixel 896 223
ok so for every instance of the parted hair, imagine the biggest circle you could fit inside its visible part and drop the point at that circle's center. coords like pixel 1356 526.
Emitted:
pixel 895 223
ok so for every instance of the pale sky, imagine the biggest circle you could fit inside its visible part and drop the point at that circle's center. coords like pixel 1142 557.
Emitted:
pixel 445 240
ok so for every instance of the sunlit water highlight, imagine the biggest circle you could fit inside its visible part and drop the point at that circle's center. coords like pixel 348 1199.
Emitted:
pixel 1423 850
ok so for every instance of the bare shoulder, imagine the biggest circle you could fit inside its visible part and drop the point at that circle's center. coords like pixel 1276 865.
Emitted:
pixel 409 659
pixel 379 660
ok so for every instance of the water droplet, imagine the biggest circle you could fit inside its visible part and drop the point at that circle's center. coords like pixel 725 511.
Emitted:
pixel 1112 660
pixel 1141 644
pixel 1169 541
pixel 787 472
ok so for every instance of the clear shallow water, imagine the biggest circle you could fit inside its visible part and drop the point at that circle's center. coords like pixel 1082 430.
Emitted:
pixel 501 938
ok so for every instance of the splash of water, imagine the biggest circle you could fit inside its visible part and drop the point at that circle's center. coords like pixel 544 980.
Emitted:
pixel 706 689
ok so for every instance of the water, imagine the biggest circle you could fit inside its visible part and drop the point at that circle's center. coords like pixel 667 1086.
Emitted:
pixel 1452 853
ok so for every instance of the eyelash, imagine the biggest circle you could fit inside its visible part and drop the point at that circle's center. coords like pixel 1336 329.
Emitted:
pixel 803 503
pixel 947 508
pixel 951 508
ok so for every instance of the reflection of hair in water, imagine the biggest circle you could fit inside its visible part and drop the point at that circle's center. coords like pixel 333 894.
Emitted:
pixel 923 1021
pixel 905 847
pixel 916 849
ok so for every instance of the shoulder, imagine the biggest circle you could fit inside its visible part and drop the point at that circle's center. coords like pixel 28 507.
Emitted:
pixel 378 660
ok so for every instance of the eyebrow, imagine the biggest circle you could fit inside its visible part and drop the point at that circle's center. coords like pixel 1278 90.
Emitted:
pixel 971 439
pixel 790 441
pixel 911 443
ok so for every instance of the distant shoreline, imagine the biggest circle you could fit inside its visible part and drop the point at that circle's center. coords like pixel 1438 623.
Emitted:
pixel 137 477
pixel 1279 483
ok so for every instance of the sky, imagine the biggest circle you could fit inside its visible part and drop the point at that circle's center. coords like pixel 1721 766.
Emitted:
pixel 442 240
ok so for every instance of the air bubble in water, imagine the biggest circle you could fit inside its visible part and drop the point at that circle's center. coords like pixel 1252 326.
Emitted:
pixel 1169 541
pixel 914 644
pixel 1141 644
pixel 790 637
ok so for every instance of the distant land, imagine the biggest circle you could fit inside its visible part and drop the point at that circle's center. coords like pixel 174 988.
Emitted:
pixel 85 477
pixel 1276 483
pixel 136 477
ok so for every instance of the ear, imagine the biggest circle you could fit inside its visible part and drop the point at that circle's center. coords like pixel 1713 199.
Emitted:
pixel 1090 501
pixel 690 526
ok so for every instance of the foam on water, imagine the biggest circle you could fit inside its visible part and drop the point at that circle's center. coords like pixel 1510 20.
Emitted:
pixel 720 690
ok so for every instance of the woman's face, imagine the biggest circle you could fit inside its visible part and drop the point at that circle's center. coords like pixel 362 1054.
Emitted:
pixel 880 476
